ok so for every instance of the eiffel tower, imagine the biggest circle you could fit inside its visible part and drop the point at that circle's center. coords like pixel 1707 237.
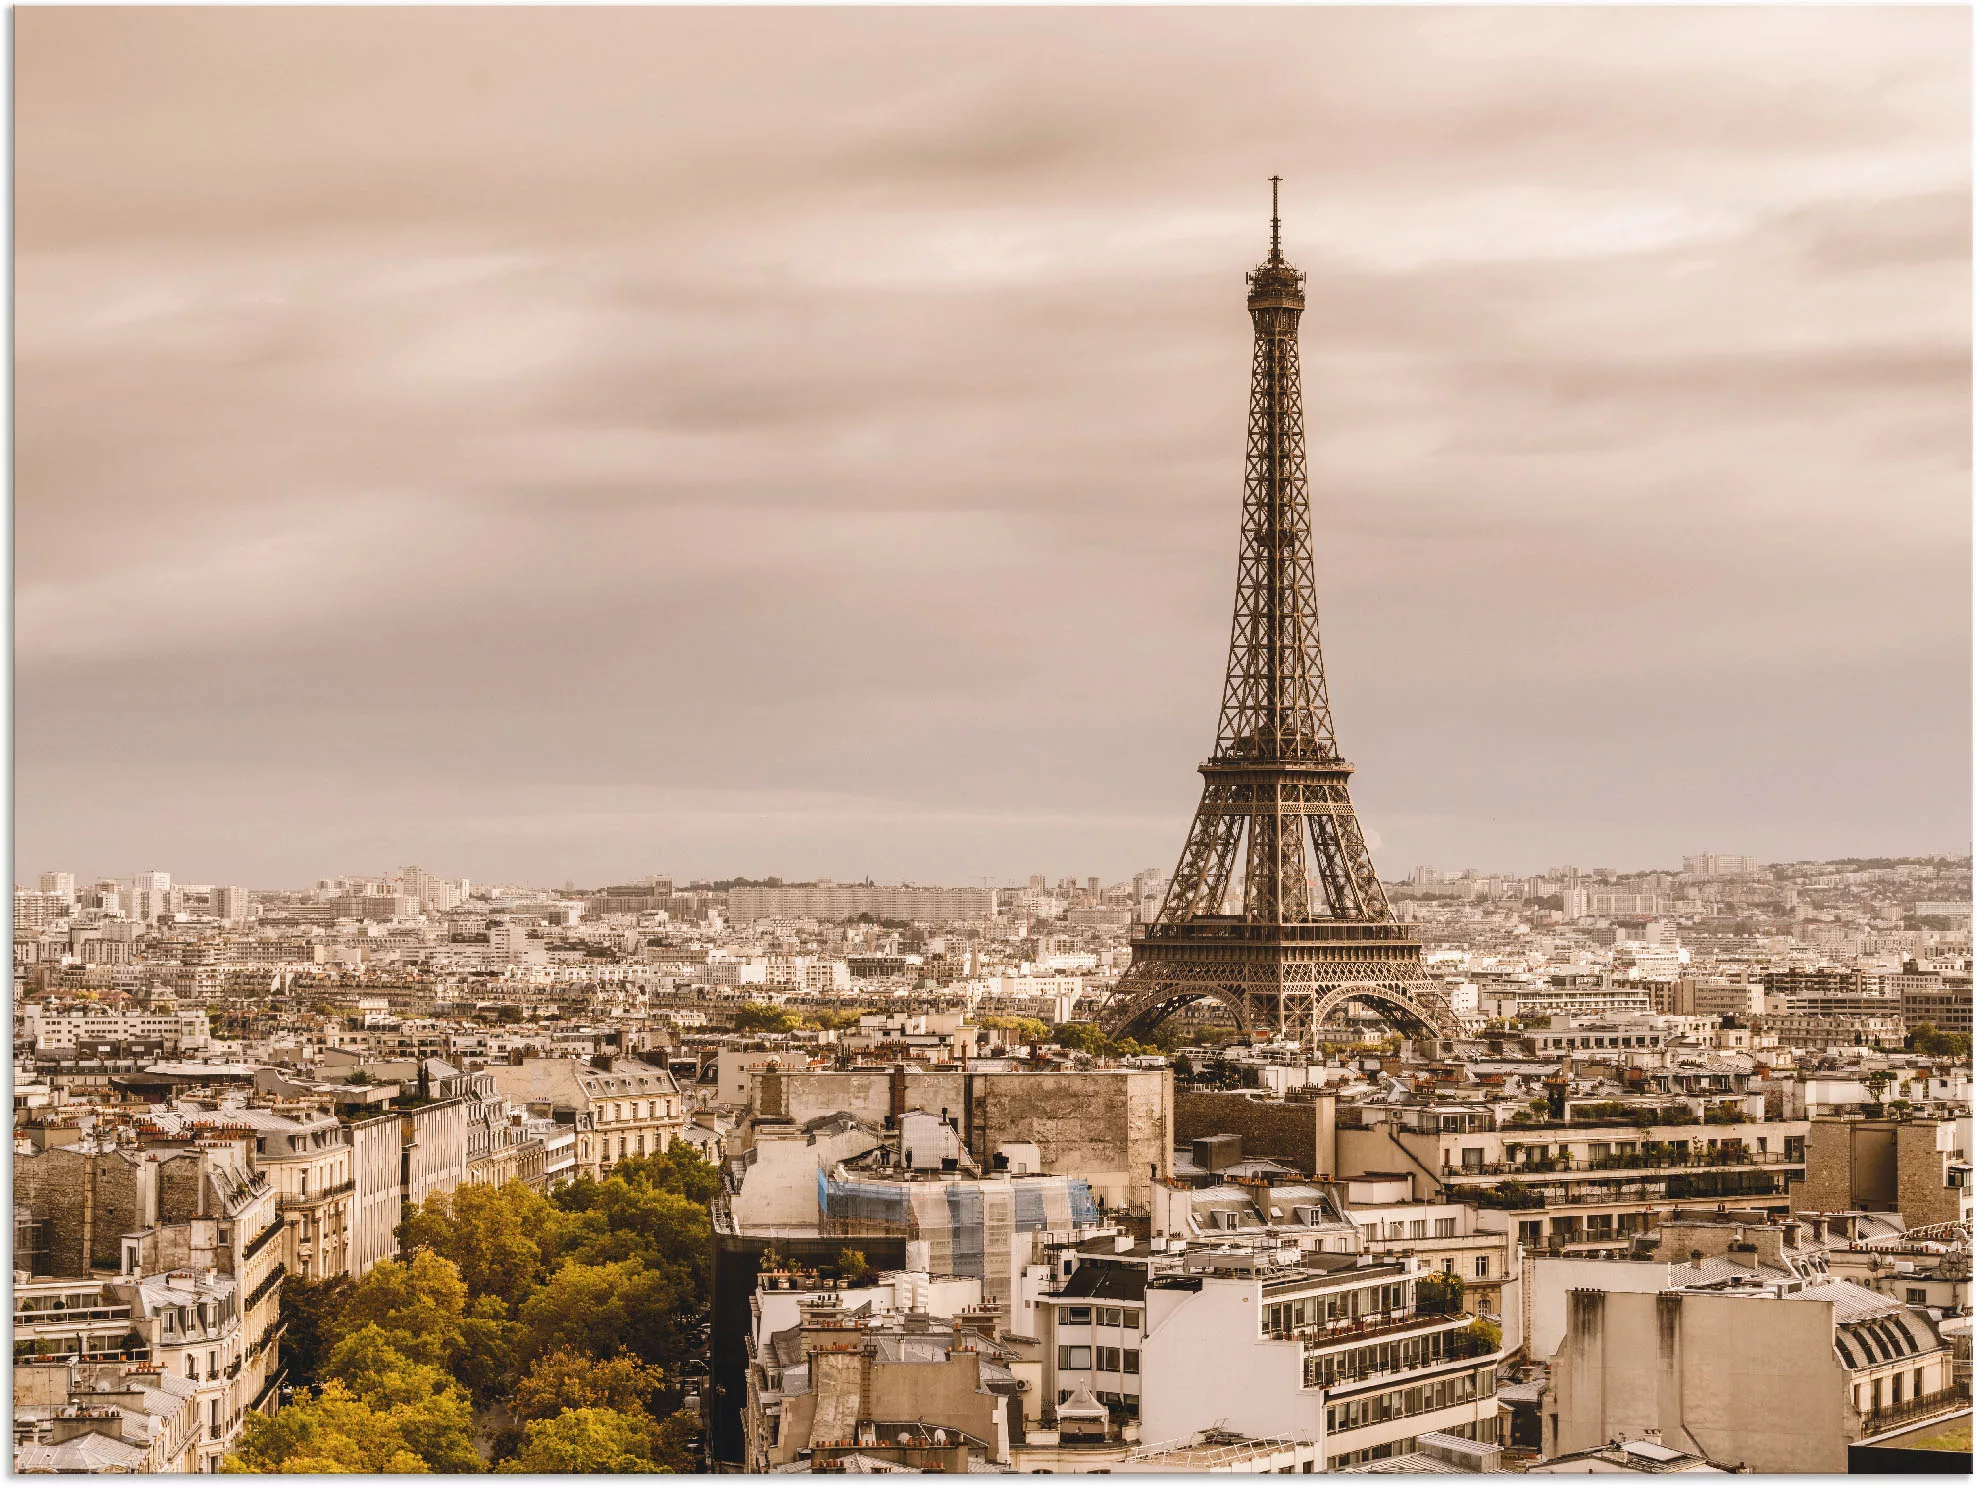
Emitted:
pixel 1314 930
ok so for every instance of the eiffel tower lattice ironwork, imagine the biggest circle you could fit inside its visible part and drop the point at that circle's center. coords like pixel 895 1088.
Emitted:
pixel 1313 930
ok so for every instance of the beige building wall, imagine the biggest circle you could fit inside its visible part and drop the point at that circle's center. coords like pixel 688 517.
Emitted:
pixel 375 1198
pixel 1741 1380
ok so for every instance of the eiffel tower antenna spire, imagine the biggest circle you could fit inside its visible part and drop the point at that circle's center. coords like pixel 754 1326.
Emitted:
pixel 1305 927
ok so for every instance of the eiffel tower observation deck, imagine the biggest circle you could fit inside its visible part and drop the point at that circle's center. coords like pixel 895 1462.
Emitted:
pixel 1312 931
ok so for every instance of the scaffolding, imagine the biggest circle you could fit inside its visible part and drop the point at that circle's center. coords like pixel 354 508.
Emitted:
pixel 968 1224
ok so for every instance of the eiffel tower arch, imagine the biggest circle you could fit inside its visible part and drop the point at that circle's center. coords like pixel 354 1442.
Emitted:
pixel 1313 930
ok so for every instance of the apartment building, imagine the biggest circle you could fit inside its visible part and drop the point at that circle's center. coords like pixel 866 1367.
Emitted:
pixel 122 1417
pixel 619 1107
pixel 1592 1178
pixel 1768 1379
pixel 1334 1349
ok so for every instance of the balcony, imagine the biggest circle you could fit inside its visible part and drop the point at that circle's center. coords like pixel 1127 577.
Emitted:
pixel 1639 1189
pixel 1626 1162
pixel 261 1241
pixel 1921 1408
pixel 1367 1326
pixel 288 1202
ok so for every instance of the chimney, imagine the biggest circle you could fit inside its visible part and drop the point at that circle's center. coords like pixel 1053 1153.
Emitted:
pixel 73 1421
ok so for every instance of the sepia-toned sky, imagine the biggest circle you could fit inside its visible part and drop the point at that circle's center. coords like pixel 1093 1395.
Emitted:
pixel 551 445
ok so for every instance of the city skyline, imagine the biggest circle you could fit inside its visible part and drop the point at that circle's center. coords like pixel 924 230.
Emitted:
pixel 541 483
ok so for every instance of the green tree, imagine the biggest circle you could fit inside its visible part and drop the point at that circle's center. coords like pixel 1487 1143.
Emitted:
pixel 1484 1336
pixel 675 1446
pixel 408 1419
pixel 599 1310
pixel 492 1235
pixel 566 1380
pixel 851 1266
pixel 1086 1038
pixel 680 1169
pixel 419 1304
pixel 1935 1043
pixel 1439 1292
pixel 589 1439
pixel 831 1019
pixel 310 1309
pixel 1021 1030
pixel 763 1017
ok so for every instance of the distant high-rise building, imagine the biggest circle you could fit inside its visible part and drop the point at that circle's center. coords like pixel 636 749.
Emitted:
pixel 1427 875
pixel 63 884
pixel 33 909
pixel 230 904
pixel 1718 865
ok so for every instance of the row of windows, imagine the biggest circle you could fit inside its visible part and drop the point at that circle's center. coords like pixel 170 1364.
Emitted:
pixel 1108 1317
pixel 1482 1431
pixel 1414 1400
pixel 640 1110
pixel 1379 1358
pixel 1864 1403
pixel 1410 1229
pixel 1105 1360
pixel 1308 1312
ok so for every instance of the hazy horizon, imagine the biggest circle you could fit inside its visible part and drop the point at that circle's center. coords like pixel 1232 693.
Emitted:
pixel 572 445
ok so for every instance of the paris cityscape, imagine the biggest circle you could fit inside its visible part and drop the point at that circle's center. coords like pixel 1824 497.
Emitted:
pixel 1276 1155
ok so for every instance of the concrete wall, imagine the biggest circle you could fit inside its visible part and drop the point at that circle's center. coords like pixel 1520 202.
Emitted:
pixel 435 1139
pixel 90 1200
pixel 1294 1132
pixel 1920 1191
pixel 780 1185
pixel 1113 1128
pixel 1551 1280
pixel 375 1201
pixel 1875 1164
pixel 1203 1364
pixel 1742 1380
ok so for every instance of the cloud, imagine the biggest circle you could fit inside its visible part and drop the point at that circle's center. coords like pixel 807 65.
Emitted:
pixel 545 444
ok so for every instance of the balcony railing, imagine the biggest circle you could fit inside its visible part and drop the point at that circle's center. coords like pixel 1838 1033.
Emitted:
pixel 261 1241
pixel 1919 1409
pixel 309 1201
pixel 267 1284
pixel 1621 1162
pixel 1365 1326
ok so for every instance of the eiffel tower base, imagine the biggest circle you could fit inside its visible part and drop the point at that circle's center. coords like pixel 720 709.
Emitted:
pixel 1299 998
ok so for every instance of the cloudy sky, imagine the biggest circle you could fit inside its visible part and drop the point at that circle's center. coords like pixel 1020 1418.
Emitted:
pixel 569 445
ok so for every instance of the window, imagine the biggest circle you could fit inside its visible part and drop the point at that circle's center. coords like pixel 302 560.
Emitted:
pixel 1482 1265
pixel 1073 1356
pixel 1917 1295
pixel 1108 1360
pixel 1108 1317
pixel 1472 1158
pixel 1445 1228
pixel 191 1367
pixel 1417 1229
pixel 1133 1362
pixel 1077 1315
